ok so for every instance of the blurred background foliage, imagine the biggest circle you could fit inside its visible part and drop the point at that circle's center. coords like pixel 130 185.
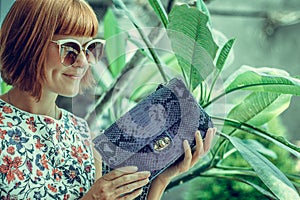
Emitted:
pixel 265 33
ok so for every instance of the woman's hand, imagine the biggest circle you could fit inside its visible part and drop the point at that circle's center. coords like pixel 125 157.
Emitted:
pixel 121 183
pixel 189 159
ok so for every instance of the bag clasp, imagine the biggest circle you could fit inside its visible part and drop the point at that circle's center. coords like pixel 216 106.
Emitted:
pixel 162 143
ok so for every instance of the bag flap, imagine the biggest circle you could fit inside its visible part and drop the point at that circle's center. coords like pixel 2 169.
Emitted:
pixel 170 107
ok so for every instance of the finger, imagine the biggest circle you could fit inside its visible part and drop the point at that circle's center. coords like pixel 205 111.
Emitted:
pixel 132 195
pixel 185 164
pixel 119 172
pixel 129 178
pixel 208 140
pixel 124 189
pixel 215 131
pixel 199 148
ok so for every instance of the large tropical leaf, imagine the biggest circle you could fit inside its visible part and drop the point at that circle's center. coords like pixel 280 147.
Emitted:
pixel 272 177
pixel 192 43
pixel 254 144
pixel 160 11
pixel 115 43
pixel 203 8
pixel 258 108
pixel 263 79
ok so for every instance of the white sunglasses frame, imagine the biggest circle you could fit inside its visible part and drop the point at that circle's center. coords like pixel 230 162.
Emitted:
pixel 83 48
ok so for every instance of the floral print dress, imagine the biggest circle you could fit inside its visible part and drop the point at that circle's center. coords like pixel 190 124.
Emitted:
pixel 43 158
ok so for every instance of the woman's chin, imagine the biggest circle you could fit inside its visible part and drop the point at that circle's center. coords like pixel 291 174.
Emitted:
pixel 71 93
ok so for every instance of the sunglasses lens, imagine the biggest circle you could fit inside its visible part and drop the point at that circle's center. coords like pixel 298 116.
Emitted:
pixel 69 53
pixel 94 52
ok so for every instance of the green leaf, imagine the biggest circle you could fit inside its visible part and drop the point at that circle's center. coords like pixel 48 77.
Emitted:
pixel 141 47
pixel 192 43
pixel 115 43
pixel 272 177
pixel 258 108
pixel 224 54
pixel 263 79
pixel 160 11
pixel 202 7
pixel 4 87
pixel 142 91
pixel 260 148
pixel 243 176
pixel 120 5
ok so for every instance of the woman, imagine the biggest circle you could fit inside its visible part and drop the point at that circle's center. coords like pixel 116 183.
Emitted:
pixel 47 47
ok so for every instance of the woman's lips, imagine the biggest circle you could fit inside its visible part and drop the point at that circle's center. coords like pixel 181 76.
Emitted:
pixel 73 76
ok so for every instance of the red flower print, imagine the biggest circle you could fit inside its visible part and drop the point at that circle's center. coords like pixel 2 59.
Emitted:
pixel 44 161
pixel 88 168
pixel 74 120
pixel 2 133
pixel 7 109
pixel 17 184
pixel 53 189
pixel 11 150
pixel 9 124
pixel 29 165
pixel 10 168
pixel 78 153
pixel 39 173
pixel 87 143
pixel 81 189
pixel 1 118
pixel 31 124
pixel 57 174
pixel 48 120
pixel 66 196
pixel 39 145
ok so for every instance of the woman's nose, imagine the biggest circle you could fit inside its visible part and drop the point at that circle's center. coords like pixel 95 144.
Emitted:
pixel 81 60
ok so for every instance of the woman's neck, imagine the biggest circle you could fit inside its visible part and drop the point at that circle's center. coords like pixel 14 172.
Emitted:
pixel 24 101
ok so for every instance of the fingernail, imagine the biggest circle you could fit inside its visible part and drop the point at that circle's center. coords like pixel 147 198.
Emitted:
pixel 146 173
pixel 186 144
pixel 129 169
pixel 198 133
pixel 140 191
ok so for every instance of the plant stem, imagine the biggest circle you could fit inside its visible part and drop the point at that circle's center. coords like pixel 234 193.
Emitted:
pixel 236 89
pixel 233 168
pixel 261 133
pixel 151 48
pixel 213 85
pixel 123 79
pixel 189 176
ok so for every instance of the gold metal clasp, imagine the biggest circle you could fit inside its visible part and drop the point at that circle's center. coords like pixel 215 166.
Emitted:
pixel 162 143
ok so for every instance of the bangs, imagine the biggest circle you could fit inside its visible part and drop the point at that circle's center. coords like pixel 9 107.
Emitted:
pixel 77 19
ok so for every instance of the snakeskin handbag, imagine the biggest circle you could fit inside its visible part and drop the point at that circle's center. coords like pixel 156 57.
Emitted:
pixel 151 134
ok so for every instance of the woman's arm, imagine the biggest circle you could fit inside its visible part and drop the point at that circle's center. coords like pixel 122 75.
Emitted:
pixel 157 189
